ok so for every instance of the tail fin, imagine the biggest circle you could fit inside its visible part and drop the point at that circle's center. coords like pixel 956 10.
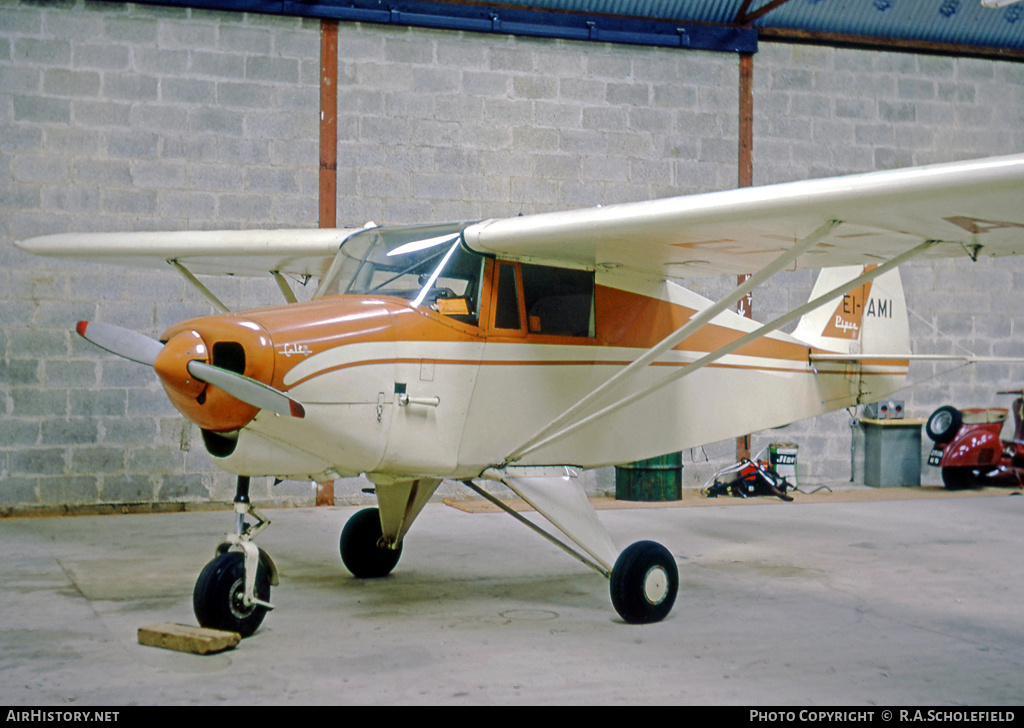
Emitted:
pixel 870 319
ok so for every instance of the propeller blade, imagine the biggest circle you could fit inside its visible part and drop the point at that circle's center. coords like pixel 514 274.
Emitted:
pixel 128 344
pixel 247 389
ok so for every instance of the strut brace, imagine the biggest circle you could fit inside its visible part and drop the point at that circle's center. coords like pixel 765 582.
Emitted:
pixel 536 442
pixel 673 339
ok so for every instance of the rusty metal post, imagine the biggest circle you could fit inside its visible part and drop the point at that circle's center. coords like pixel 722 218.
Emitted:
pixel 328 161
pixel 745 179
pixel 328 123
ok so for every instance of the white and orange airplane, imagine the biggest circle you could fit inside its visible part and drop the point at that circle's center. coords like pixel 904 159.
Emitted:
pixel 519 349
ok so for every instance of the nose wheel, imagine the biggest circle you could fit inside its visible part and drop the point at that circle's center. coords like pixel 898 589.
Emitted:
pixel 232 592
pixel 218 599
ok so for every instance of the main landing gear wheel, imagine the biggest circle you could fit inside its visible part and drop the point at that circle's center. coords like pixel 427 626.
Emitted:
pixel 644 583
pixel 217 599
pixel 360 546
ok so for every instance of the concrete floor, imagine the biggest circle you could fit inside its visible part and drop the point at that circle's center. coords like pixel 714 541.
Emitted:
pixel 897 602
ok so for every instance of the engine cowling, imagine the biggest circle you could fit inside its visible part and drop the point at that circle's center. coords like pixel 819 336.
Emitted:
pixel 236 344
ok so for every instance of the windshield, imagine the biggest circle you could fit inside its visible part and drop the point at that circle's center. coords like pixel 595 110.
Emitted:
pixel 427 266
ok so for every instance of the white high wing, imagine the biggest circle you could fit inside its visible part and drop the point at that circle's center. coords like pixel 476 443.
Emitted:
pixel 516 349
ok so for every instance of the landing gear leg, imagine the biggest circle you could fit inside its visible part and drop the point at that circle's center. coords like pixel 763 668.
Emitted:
pixel 233 591
pixel 643 578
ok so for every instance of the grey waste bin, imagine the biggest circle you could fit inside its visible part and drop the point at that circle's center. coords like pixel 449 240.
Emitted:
pixel 892 452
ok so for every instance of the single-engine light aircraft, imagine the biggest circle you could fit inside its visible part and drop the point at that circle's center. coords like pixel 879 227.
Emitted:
pixel 520 350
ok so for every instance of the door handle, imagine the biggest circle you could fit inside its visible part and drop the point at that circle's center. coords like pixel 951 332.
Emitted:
pixel 404 400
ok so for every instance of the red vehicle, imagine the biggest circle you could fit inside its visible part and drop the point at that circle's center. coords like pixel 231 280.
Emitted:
pixel 968 447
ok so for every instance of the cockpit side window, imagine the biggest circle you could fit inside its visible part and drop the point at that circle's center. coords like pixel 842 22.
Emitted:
pixel 455 291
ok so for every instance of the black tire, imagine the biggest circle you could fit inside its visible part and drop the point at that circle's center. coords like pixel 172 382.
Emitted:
pixel 943 424
pixel 644 583
pixel 217 597
pixel 959 477
pixel 360 551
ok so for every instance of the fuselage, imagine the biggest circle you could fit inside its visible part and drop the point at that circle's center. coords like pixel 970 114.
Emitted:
pixel 448 388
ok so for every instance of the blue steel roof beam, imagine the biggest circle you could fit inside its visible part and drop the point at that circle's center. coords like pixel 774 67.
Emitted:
pixel 499 18
pixel 534 22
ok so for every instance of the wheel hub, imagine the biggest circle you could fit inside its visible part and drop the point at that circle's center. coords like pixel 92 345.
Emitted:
pixel 656 585
pixel 237 601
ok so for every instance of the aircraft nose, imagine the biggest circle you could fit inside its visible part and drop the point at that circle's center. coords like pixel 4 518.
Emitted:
pixel 171 364
pixel 234 345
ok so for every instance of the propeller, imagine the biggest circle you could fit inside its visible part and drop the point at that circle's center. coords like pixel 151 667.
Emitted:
pixel 247 389
pixel 144 350
pixel 128 344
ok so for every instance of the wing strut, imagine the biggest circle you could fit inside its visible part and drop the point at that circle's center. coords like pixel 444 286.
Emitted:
pixel 536 442
pixel 209 295
pixel 285 289
pixel 675 338
pixel 198 285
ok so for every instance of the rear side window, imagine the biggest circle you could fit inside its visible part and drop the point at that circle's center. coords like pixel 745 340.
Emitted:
pixel 559 301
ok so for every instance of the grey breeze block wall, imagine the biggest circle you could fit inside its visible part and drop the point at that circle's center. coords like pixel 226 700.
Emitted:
pixel 124 117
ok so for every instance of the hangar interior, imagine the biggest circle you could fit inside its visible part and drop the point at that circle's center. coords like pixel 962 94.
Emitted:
pixel 205 115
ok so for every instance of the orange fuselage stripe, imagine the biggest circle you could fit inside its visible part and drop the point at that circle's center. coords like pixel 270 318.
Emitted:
pixel 623 320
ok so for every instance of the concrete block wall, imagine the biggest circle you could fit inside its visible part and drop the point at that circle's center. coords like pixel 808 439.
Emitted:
pixel 124 117
pixel 436 125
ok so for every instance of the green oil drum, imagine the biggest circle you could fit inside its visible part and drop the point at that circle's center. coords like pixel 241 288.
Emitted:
pixel 656 479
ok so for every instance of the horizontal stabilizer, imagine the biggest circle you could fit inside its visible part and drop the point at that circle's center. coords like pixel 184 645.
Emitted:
pixel 969 358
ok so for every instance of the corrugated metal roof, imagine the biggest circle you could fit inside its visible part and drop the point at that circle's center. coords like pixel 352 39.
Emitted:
pixel 953 23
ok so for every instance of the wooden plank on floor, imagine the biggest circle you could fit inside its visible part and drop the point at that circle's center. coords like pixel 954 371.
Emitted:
pixel 185 638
